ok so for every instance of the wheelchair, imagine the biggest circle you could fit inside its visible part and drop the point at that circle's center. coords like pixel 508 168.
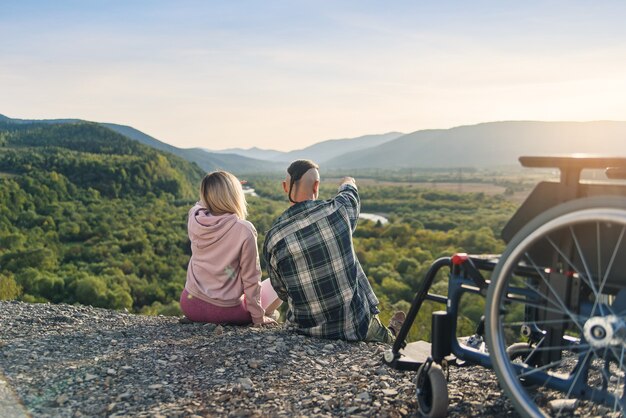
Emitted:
pixel 554 326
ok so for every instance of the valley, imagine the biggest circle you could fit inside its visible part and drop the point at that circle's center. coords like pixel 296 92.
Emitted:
pixel 91 216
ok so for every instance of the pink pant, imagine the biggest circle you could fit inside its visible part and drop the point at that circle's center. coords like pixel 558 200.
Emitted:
pixel 198 310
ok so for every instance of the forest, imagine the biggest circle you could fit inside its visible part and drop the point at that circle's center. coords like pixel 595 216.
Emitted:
pixel 88 216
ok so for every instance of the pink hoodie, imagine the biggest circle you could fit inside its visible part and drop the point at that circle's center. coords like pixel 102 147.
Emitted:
pixel 224 261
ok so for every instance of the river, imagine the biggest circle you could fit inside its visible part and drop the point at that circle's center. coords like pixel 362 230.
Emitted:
pixel 374 218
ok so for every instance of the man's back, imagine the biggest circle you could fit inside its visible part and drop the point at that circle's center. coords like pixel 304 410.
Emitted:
pixel 312 265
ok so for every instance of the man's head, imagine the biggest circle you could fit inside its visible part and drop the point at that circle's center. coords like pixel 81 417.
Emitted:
pixel 302 181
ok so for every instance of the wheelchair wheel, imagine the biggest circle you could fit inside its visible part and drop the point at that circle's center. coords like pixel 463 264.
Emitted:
pixel 556 311
pixel 432 391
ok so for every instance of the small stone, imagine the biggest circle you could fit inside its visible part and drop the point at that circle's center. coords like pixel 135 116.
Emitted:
pixel 173 358
pixel 390 392
pixel 245 383
pixel 329 347
pixel 111 372
pixel 224 397
pixel 61 399
pixel 113 342
pixel 210 327
pixel 111 407
pixel 127 368
pixel 563 405
pixel 253 364
pixel 364 396
pixel 124 396
pixel 219 330
pixel 155 386
pixel 89 377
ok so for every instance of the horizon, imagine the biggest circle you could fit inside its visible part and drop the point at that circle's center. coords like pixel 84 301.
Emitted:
pixel 332 139
pixel 283 76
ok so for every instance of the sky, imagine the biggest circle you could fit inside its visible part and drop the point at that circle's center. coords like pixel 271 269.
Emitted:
pixel 285 74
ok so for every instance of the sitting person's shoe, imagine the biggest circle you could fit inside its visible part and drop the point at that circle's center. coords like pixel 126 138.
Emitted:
pixel 396 322
pixel 275 315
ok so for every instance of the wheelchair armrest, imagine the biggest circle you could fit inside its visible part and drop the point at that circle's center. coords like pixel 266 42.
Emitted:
pixel 616 173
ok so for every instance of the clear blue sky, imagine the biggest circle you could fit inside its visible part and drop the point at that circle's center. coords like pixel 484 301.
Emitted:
pixel 285 74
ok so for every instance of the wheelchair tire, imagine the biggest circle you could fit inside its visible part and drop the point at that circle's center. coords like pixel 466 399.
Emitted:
pixel 432 392
pixel 519 285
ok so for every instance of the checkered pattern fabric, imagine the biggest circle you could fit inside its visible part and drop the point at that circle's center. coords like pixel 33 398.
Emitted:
pixel 312 265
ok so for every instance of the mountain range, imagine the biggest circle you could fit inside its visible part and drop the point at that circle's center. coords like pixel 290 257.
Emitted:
pixel 320 152
pixel 482 145
pixel 489 145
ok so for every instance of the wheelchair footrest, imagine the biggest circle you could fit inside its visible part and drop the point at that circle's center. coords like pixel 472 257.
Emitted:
pixel 415 354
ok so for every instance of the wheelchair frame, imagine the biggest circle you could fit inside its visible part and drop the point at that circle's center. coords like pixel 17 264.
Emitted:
pixel 555 294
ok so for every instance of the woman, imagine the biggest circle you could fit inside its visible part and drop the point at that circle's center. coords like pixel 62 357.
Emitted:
pixel 223 276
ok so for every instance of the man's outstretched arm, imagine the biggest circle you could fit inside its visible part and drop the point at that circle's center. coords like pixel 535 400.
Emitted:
pixel 348 197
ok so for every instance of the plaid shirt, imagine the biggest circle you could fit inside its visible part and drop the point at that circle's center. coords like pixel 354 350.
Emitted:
pixel 312 265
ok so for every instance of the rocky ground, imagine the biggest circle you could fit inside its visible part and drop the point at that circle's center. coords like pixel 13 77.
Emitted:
pixel 73 361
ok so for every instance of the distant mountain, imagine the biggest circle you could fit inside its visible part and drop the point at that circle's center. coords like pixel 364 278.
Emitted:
pixel 489 144
pixel 319 152
pixel 327 150
pixel 207 161
pixel 254 152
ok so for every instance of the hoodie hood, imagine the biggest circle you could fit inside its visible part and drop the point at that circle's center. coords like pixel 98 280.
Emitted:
pixel 206 229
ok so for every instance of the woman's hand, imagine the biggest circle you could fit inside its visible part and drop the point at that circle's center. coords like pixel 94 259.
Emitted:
pixel 266 322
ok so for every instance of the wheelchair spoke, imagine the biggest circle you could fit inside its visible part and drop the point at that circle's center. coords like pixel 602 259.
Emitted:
pixel 608 269
pixel 543 322
pixel 587 278
pixel 560 347
pixel 580 369
pixel 543 307
pixel 589 281
pixel 545 367
pixel 556 296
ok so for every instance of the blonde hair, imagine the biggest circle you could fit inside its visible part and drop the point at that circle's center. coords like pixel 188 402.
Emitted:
pixel 221 192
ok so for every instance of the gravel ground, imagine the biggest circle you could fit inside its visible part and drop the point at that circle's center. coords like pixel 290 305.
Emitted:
pixel 73 361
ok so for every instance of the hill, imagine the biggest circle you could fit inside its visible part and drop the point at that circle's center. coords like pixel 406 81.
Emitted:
pixel 489 144
pixel 90 156
pixel 90 216
pixel 69 361
pixel 207 161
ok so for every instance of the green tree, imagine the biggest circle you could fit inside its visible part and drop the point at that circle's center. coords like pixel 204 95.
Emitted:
pixel 9 289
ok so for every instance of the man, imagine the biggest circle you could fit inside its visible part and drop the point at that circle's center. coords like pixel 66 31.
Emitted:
pixel 312 264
